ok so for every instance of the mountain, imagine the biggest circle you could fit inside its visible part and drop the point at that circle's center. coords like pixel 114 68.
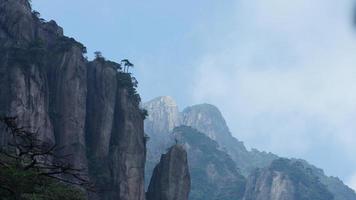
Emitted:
pixel 207 119
pixel 334 184
pixel 285 180
pixel 89 109
pixel 164 115
pixel 214 174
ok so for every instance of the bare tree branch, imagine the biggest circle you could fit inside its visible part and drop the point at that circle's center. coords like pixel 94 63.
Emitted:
pixel 25 149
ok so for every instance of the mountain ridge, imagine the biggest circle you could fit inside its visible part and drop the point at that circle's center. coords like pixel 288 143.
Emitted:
pixel 247 161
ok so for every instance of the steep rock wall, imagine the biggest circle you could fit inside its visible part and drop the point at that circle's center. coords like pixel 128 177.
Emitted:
pixel 171 178
pixel 88 109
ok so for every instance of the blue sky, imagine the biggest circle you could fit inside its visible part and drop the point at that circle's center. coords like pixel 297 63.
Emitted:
pixel 282 72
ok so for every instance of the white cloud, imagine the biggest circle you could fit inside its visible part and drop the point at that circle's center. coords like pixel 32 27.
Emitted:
pixel 287 82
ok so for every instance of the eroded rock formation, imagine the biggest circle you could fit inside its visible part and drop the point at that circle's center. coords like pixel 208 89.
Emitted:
pixel 171 178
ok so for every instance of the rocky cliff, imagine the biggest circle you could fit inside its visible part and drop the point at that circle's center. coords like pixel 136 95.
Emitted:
pixel 171 178
pixel 285 180
pixel 114 133
pixel 89 109
pixel 164 115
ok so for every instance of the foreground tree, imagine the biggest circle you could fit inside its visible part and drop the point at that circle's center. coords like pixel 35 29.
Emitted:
pixel 30 169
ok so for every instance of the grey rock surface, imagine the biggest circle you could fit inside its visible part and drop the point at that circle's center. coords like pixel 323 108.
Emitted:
pixel 269 185
pixel 285 179
pixel 163 117
pixel 88 109
pixel 171 178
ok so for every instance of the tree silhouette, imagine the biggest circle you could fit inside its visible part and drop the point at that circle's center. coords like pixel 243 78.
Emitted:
pixel 98 55
pixel 127 64
pixel 134 82
pixel 31 155
pixel 118 67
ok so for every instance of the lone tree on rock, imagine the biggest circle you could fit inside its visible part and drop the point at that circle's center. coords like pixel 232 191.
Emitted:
pixel 98 55
pixel 127 64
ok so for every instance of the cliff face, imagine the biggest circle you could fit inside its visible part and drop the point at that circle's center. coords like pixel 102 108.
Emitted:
pixel 207 119
pixel 164 115
pixel 269 185
pixel 285 180
pixel 45 81
pixel 87 108
pixel 114 133
pixel 171 178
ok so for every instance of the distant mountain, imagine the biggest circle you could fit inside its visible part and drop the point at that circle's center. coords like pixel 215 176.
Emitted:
pixel 208 120
pixel 285 180
pixel 334 184
pixel 164 115
pixel 214 174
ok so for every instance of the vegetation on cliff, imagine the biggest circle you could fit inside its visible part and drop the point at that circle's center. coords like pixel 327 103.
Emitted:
pixel 29 169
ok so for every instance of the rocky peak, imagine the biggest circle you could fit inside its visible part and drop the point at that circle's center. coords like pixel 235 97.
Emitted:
pixel 163 115
pixel 171 178
pixel 207 119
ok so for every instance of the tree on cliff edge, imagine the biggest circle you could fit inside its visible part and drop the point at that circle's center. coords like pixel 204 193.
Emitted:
pixel 127 64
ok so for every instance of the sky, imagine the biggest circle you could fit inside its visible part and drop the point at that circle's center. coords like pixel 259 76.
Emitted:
pixel 282 72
